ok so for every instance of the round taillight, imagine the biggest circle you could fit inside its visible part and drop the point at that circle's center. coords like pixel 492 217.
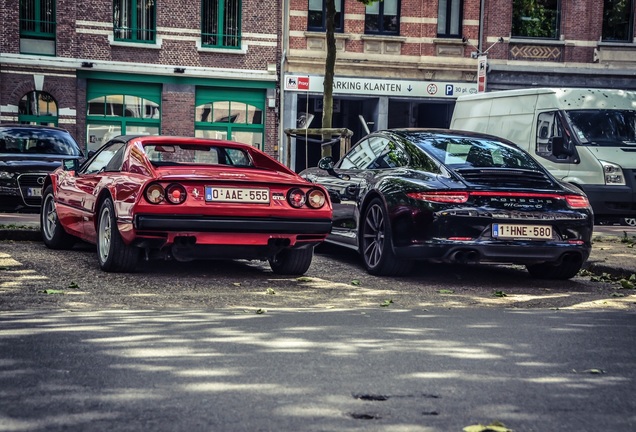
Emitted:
pixel 316 198
pixel 155 193
pixel 175 193
pixel 296 198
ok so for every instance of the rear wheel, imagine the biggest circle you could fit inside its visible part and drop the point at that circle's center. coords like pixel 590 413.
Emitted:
pixel 566 269
pixel 375 243
pixel 112 253
pixel 53 233
pixel 292 261
pixel 628 221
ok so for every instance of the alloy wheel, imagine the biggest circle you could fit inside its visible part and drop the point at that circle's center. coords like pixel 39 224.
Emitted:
pixel 373 236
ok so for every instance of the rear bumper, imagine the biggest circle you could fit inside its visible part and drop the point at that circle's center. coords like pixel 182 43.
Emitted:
pixel 506 252
pixel 237 225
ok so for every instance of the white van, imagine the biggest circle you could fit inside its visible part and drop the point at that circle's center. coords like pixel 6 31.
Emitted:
pixel 586 137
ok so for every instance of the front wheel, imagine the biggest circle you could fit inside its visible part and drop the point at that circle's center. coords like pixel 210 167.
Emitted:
pixel 292 261
pixel 566 269
pixel 375 243
pixel 53 233
pixel 112 253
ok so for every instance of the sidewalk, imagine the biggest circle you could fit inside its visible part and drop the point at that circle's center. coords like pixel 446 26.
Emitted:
pixel 613 250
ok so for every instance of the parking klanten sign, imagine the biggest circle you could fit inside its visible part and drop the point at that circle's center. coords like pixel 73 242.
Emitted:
pixel 381 87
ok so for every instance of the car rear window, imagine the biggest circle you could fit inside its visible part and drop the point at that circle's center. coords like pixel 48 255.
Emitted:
pixel 37 141
pixel 190 154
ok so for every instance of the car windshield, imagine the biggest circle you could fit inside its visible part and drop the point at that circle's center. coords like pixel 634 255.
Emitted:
pixel 468 152
pixel 604 127
pixel 186 154
pixel 37 141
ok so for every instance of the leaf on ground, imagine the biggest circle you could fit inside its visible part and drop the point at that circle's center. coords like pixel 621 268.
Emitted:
pixel 386 303
pixel 355 282
pixel 260 311
pixel 493 427
pixel 594 371
pixel 73 285
pixel 617 294
pixel 51 291
pixel 626 284
pixel 236 283
pixel 270 291
pixel 304 279
pixel 445 291
pixel 500 294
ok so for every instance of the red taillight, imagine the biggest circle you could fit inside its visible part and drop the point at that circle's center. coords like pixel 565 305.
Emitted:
pixel 441 197
pixel 296 198
pixel 175 193
pixel 577 201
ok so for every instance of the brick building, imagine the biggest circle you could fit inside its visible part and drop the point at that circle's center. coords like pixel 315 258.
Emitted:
pixel 248 69
pixel 402 63
pixel 107 67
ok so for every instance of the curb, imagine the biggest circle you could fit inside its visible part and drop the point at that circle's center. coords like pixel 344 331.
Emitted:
pixel 20 234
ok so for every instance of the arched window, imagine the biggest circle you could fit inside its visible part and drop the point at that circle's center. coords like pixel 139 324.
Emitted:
pixel 38 107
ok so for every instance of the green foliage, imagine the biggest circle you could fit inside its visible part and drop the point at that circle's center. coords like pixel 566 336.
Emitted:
pixel 534 18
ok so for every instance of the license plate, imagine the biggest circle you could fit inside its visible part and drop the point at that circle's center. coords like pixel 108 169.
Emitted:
pixel 535 232
pixel 237 195
pixel 34 192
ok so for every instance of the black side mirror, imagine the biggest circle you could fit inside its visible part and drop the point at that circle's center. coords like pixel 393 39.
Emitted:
pixel 70 164
pixel 326 163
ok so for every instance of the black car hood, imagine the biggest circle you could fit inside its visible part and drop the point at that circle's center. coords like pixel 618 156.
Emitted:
pixel 28 163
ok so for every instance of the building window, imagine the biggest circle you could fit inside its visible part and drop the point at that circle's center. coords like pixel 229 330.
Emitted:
pixel 135 20
pixel 221 23
pixel 382 17
pixel 449 19
pixel 536 19
pixel 37 27
pixel 235 114
pixel 317 16
pixel 618 20
pixel 38 108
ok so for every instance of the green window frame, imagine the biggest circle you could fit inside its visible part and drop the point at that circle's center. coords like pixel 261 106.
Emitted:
pixel 135 20
pixel 38 108
pixel 37 19
pixel 120 108
pixel 221 23
pixel 235 114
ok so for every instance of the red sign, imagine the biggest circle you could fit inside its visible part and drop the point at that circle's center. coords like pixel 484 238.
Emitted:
pixel 482 62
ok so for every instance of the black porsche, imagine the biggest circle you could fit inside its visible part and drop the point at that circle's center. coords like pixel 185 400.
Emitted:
pixel 405 195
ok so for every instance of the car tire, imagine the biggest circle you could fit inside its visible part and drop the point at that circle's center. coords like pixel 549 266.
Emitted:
pixel 112 253
pixel 568 268
pixel 628 222
pixel 52 231
pixel 295 261
pixel 376 243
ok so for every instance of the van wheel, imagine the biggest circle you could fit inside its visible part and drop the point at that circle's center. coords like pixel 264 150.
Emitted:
pixel 53 234
pixel 112 253
pixel 566 269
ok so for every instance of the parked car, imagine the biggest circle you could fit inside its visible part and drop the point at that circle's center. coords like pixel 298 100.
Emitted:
pixel 405 195
pixel 27 154
pixel 184 199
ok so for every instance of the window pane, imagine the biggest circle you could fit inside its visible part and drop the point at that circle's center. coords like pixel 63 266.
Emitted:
pixel 537 19
pixel 214 134
pixel 391 7
pixel 441 18
pixel 252 138
pixel 455 19
pixel 254 115
pixel 221 112
pixel 203 113
pixel 97 106
pixel 98 134
pixel 115 105
pixel 617 19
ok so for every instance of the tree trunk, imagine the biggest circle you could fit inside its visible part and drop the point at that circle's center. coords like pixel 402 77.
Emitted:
pixel 330 64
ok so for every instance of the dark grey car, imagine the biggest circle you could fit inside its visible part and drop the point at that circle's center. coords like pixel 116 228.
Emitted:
pixel 27 154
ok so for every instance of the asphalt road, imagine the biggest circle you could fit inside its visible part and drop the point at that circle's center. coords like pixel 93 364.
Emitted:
pixel 317 370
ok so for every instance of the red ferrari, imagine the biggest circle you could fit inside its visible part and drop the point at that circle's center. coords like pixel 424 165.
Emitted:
pixel 160 197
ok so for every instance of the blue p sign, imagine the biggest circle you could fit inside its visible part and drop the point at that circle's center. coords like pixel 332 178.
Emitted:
pixel 449 89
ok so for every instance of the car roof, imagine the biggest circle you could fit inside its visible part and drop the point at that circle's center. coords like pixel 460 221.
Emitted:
pixel 30 126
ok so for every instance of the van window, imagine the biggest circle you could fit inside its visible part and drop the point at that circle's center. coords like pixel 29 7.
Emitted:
pixel 604 127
